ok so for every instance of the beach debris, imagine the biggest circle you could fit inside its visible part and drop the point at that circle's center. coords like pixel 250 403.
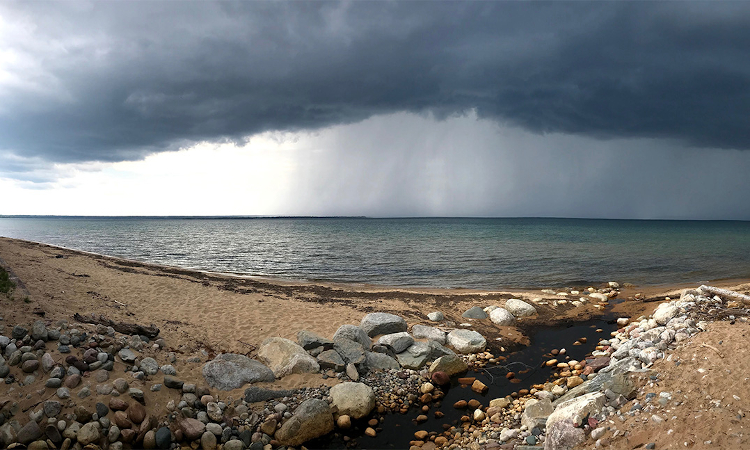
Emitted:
pixel 121 327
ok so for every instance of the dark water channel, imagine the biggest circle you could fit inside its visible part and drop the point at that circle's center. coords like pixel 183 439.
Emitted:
pixel 398 429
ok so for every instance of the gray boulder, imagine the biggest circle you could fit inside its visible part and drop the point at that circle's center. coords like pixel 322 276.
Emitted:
pixel 415 356
pixel 397 341
pixel 231 371
pixel 380 361
pixel 285 357
pixel 353 333
pixel 429 333
pixel 382 323
pixel 575 410
pixel 519 308
pixel 330 359
pixel 312 419
pixel 350 351
pixel 436 316
pixel 536 412
pixel 39 331
pixel 309 340
pixel 474 312
pixel 502 317
pixel 149 366
pixel 563 436
pixel 353 399
pixel 467 341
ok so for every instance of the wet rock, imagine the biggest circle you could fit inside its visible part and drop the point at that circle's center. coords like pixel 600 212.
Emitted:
pixel 382 323
pixel 466 341
pixel 440 378
pixel 285 357
pixel 231 371
pixel 353 399
pixel 312 419
pixel 475 312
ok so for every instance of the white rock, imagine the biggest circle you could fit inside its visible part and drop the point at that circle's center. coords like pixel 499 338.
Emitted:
pixel 598 296
pixel 664 312
pixel 519 308
pixel 429 333
pixel 502 317
pixel 466 341
pixel 576 409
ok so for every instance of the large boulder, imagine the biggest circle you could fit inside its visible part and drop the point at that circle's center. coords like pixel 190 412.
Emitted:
pixel 330 359
pixel 349 350
pixel 519 308
pixel 312 419
pixel 285 357
pixel 380 361
pixel 429 333
pixel 231 371
pixel 397 341
pixel 575 410
pixel 450 364
pixel 536 412
pixel 475 312
pixel 353 333
pixel 466 341
pixel 353 399
pixel 502 317
pixel 563 435
pixel 382 323
pixel 415 356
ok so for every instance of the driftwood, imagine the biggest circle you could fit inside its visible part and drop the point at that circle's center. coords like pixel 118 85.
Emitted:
pixel 725 293
pixel 121 327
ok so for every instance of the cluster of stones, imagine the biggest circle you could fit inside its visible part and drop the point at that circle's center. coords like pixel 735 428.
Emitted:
pixel 561 414
pixel 600 297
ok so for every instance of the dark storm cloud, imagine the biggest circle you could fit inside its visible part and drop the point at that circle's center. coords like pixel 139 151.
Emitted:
pixel 115 81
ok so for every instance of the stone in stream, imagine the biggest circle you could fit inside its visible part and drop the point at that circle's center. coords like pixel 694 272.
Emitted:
pixel 397 341
pixel 285 357
pixel 502 317
pixel 519 308
pixel 475 312
pixel 353 399
pixel 466 341
pixel 382 323
pixel 353 333
pixel 231 371
pixel 312 419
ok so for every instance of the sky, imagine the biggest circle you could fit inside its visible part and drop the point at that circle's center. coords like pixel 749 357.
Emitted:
pixel 376 108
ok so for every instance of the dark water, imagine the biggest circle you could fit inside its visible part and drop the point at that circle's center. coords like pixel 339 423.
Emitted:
pixel 454 252
pixel 399 429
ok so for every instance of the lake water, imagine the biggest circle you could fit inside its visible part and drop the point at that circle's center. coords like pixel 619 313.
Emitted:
pixel 430 252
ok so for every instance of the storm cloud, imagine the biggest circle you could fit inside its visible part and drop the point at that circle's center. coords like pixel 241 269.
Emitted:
pixel 106 81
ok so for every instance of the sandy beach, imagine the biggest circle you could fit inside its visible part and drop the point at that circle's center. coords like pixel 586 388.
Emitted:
pixel 201 315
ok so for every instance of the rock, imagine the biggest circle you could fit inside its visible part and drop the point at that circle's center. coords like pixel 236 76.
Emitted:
pixel 479 387
pixel 116 404
pixel 53 434
pixel 598 363
pixel 309 340
pixel 430 333
pixel 29 432
pixel 51 408
pixel 475 312
pixel 72 381
pixel 285 357
pixel 149 366
pixel 574 381
pixel 127 355
pixel 415 356
pixel 382 323
pixel 330 359
pixel 479 415
pixel 30 366
pixel 193 429
pixel 576 409
pixel 502 317
pixel 397 341
pixel 344 422
pixel 136 413
pixel 255 394
pixel 38 445
pixel 466 341
pixel 664 312
pixel 121 420
pixel 231 371
pixel 101 409
pixel 149 440
pixel 562 435
pixel 519 308
pixel 351 372
pixel 121 385
pixel 436 316
pixel 168 369
pixel 89 433
pixel 597 433
pixel 174 383
pixel 312 419
pixel 440 378
pixel 501 402
pixel 450 364
pixel 353 333
pixel 536 412
pixel 18 332
pixel 47 362
pixel 350 351
pixel 62 393
pixel 380 361
pixel 353 399
pixel 208 441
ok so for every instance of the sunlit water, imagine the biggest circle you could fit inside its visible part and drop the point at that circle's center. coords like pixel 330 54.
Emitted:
pixel 471 253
